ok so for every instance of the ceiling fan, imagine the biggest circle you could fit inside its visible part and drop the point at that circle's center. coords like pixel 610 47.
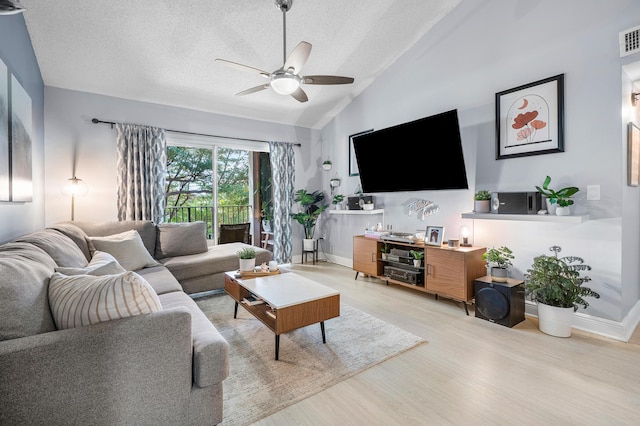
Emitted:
pixel 287 79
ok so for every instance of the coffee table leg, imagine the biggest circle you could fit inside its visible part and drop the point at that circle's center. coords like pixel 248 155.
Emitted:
pixel 277 345
pixel 324 339
pixel 235 311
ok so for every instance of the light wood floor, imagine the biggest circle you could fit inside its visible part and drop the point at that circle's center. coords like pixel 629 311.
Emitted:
pixel 471 371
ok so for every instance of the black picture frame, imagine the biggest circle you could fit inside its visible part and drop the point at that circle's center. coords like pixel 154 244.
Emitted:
pixel 530 119
pixel 353 163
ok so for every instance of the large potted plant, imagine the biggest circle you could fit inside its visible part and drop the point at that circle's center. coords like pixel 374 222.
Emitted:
pixel 309 211
pixel 555 284
pixel 559 200
pixel 499 262
pixel 482 201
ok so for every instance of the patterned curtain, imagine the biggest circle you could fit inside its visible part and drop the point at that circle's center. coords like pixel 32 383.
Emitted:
pixel 141 167
pixel 283 173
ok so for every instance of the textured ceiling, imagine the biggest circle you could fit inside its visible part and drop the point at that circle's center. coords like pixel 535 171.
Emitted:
pixel 164 51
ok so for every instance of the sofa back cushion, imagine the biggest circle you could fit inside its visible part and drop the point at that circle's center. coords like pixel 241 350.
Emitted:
pixel 76 235
pixel 146 229
pixel 61 248
pixel 24 304
pixel 181 239
pixel 127 247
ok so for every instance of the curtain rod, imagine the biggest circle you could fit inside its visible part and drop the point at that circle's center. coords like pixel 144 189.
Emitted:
pixel 96 121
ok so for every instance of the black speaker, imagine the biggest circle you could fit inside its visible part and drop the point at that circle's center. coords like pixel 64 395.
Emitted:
pixel 502 303
pixel 516 202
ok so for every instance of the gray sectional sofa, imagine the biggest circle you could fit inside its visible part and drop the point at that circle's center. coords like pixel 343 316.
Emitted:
pixel 164 366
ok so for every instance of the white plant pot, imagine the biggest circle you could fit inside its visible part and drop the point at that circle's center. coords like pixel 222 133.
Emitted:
pixel 338 206
pixel 555 321
pixel 385 256
pixel 308 244
pixel 417 262
pixel 247 264
pixel 563 211
pixel 482 206
pixel 551 207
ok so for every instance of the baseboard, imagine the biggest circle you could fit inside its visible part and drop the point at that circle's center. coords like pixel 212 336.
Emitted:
pixel 617 330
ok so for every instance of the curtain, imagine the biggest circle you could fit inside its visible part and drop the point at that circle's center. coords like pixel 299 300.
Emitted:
pixel 141 168
pixel 283 174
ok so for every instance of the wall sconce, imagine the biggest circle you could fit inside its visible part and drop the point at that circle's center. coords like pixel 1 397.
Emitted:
pixel 75 188
pixel 464 233
pixel 327 165
pixel 635 98
pixel 10 7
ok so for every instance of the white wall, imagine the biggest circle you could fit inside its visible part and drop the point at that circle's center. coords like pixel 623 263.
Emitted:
pixel 480 49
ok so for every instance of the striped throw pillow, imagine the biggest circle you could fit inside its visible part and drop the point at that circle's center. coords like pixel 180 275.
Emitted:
pixel 80 300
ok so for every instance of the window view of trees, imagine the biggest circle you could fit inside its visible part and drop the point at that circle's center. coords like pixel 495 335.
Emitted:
pixel 189 186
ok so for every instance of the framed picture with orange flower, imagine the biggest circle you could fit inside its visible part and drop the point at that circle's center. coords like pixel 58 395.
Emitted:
pixel 530 119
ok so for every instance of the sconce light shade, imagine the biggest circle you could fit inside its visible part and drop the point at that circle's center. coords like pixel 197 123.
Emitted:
pixel 10 7
pixel 75 187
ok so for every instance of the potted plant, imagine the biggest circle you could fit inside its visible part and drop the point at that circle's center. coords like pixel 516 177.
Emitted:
pixel 558 201
pixel 555 284
pixel 482 201
pixel 309 211
pixel 417 255
pixel 267 216
pixel 384 250
pixel 326 165
pixel 337 201
pixel 247 257
pixel 499 262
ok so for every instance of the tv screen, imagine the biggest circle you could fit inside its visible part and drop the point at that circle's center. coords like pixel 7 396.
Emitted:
pixel 424 154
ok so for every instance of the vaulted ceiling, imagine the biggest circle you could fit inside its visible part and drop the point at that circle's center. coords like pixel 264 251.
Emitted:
pixel 164 51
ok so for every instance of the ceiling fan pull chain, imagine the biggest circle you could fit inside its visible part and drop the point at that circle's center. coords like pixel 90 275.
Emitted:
pixel 284 36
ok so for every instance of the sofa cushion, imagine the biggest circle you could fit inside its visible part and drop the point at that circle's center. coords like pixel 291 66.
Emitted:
pixel 81 300
pixel 24 307
pixel 76 235
pixel 180 239
pixel 146 229
pixel 127 248
pixel 57 245
pixel 160 279
pixel 101 264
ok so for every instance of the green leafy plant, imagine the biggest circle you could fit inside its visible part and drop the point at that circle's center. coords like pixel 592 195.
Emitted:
pixel 338 198
pixel 556 281
pixel 499 257
pixel 562 197
pixel 385 248
pixel 309 210
pixel 266 211
pixel 482 195
pixel 417 254
pixel 246 253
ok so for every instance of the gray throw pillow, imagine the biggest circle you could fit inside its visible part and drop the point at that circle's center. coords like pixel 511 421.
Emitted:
pixel 181 239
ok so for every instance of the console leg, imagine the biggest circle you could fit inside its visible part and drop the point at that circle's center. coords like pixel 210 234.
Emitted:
pixel 465 308
pixel 356 275
pixel 324 339
pixel 436 297
pixel 277 346
pixel 235 311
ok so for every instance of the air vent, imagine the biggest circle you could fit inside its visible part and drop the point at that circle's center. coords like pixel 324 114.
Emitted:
pixel 630 41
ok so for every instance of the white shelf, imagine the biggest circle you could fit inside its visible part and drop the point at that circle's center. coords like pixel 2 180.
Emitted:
pixel 366 212
pixel 527 217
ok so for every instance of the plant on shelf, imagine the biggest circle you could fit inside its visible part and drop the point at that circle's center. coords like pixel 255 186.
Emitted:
pixel 482 203
pixel 384 250
pixel 555 283
pixel 267 215
pixel 309 210
pixel 499 260
pixel 247 256
pixel 337 201
pixel 417 255
pixel 560 199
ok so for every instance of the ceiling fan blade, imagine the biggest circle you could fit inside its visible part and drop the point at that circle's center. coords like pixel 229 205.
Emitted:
pixel 327 79
pixel 298 57
pixel 299 95
pixel 253 90
pixel 244 67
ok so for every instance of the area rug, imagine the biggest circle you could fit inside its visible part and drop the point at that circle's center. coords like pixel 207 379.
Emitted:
pixel 258 386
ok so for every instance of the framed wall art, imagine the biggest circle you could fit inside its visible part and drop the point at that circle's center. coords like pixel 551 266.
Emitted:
pixel 21 129
pixel 633 156
pixel 530 119
pixel 353 163
pixel 434 235
pixel 5 194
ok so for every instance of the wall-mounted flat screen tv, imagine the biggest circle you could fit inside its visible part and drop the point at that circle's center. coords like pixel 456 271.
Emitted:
pixel 425 154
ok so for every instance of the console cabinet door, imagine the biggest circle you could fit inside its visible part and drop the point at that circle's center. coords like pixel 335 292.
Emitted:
pixel 365 256
pixel 445 273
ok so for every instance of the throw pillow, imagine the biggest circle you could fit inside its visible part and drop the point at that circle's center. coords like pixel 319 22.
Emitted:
pixel 81 300
pixel 101 264
pixel 128 249
pixel 181 239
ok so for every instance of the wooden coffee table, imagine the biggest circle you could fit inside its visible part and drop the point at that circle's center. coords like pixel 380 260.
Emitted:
pixel 291 301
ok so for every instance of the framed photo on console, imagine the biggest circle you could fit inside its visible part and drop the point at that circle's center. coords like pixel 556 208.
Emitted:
pixel 434 235
pixel 530 119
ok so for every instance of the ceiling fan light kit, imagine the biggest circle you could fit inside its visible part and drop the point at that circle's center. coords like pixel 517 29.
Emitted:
pixel 287 80
pixel 10 7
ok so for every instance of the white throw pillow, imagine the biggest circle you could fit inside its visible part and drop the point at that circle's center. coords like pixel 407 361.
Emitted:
pixel 80 300
pixel 128 249
pixel 101 263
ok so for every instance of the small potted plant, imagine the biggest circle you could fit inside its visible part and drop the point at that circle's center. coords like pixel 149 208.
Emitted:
pixel 482 201
pixel 326 165
pixel 384 250
pixel 417 255
pixel 559 200
pixel 499 262
pixel 555 284
pixel 337 201
pixel 247 257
